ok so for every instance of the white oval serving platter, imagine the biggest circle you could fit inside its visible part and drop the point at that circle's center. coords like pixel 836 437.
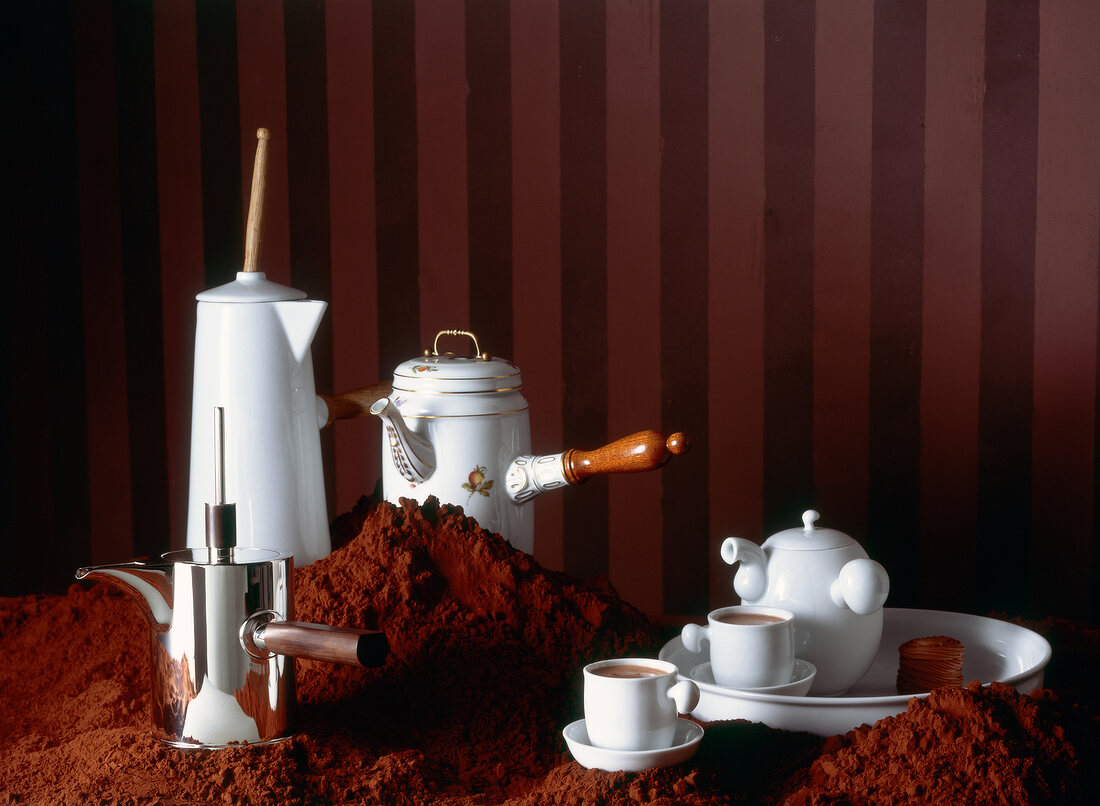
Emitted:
pixel 995 650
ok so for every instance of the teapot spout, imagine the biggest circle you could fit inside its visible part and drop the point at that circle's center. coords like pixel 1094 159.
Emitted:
pixel 149 583
pixel 413 456
pixel 751 580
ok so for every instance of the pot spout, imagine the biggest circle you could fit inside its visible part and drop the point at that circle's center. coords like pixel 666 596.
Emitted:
pixel 412 454
pixel 149 583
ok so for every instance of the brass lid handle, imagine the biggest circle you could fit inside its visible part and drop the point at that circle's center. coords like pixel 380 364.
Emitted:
pixel 467 333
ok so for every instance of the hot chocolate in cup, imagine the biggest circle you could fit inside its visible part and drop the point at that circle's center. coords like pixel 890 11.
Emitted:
pixel 751 646
pixel 633 703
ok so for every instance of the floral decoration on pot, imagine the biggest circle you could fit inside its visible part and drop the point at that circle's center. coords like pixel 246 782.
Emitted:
pixel 476 483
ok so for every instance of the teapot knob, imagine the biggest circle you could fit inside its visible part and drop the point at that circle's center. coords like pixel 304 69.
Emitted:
pixel 862 586
pixel 809 517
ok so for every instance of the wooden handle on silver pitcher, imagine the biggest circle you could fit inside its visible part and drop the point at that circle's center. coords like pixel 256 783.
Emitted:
pixel 645 450
pixel 320 642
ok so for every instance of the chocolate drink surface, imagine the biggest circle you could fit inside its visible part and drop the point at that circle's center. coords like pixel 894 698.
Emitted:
pixel 749 618
pixel 628 671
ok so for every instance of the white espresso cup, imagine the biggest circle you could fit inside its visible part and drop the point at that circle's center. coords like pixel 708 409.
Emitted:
pixel 751 646
pixel 633 703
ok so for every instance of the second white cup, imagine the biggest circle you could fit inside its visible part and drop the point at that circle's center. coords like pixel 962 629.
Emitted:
pixel 751 646
pixel 632 703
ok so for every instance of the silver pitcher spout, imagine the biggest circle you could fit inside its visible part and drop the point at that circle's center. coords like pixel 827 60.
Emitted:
pixel 150 584
pixel 413 455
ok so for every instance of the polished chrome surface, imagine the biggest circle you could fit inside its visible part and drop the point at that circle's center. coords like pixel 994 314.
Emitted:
pixel 208 689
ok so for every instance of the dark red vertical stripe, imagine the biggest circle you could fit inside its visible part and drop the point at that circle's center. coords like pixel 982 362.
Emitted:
pixel 634 288
pixel 897 247
pixel 307 184
pixel 951 308
pixel 179 178
pixel 1067 214
pixel 684 73
pixel 842 260
pixel 262 93
pixel 44 462
pixel 1095 587
pixel 584 271
pixel 735 315
pixel 139 220
pixel 788 261
pixel 489 174
pixel 441 97
pixel 58 214
pixel 1009 186
pixel 111 527
pixel 395 166
pixel 219 108
pixel 354 311
pixel 536 217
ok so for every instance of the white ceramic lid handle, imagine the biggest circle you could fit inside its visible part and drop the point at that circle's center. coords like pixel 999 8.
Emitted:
pixel 686 696
pixel 862 586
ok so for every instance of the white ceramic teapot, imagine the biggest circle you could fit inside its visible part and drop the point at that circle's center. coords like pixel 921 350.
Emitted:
pixel 836 594
pixel 457 427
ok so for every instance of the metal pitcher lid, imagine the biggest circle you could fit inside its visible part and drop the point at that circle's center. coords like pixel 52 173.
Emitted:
pixel 449 373
pixel 250 286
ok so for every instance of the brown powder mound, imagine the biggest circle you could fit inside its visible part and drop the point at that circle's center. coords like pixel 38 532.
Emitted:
pixel 484 673
pixel 972 745
pixel 485 644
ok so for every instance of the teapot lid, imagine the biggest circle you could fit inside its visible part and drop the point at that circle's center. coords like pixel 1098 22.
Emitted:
pixel 449 373
pixel 809 537
pixel 250 286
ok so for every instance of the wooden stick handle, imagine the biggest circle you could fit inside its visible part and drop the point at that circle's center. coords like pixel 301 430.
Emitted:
pixel 645 450
pixel 255 229
pixel 321 642
pixel 356 403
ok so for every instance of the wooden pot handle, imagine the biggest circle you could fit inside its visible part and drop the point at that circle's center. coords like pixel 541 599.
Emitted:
pixel 645 450
pixel 356 403
pixel 320 642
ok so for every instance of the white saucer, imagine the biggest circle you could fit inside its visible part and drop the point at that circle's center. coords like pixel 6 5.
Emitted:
pixel 684 745
pixel 799 684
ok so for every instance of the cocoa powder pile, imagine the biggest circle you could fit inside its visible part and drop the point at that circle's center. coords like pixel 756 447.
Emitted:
pixel 483 673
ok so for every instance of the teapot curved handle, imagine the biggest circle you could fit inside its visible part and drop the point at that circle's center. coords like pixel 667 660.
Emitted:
pixel 861 586
pixel 751 580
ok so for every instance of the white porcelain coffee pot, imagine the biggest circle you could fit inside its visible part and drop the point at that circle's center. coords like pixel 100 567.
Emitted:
pixel 457 428
pixel 835 591
pixel 253 358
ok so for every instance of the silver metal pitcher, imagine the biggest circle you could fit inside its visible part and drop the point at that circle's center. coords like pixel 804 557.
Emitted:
pixel 223 635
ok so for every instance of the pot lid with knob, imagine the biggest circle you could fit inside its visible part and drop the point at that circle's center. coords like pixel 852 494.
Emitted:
pixel 811 537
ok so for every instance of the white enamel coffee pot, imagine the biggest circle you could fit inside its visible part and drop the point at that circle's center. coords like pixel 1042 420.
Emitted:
pixel 252 357
pixel 835 592
pixel 457 428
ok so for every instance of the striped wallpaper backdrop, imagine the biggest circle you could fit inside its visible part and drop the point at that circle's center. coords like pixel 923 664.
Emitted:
pixel 850 247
